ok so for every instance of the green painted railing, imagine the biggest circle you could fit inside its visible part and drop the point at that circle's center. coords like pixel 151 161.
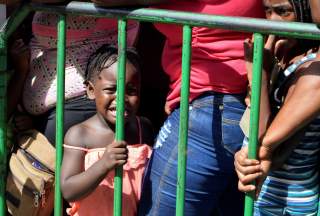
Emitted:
pixel 3 120
pixel 184 118
pixel 6 30
pixel 61 46
pixel 121 80
pixel 255 110
pixel 259 27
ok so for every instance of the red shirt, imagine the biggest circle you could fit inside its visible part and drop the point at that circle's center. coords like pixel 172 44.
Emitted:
pixel 217 54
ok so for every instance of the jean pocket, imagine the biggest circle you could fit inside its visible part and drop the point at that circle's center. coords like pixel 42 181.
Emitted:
pixel 232 135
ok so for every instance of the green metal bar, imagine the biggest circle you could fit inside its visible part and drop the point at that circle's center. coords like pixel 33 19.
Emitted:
pixel 12 23
pixel 61 46
pixel 6 30
pixel 121 81
pixel 285 29
pixel 255 110
pixel 184 118
pixel 3 52
pixel 3 123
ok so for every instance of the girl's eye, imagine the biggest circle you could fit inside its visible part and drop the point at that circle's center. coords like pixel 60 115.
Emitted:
pixel 284 12
pixel 110 90
pixel 131 90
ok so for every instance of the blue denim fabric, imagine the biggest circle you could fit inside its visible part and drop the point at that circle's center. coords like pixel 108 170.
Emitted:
pixel 211 185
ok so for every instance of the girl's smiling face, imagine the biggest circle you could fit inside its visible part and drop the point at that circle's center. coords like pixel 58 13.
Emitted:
pixel 104 87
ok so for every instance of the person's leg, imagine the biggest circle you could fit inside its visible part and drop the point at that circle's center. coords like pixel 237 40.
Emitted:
pixel 232 201
pixel 75 111
pixel 209 164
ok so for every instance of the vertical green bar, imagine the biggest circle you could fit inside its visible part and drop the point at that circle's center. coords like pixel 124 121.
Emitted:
pixel 3 123
pixel 255 110
pixel 7 29
pixel 184 118
pixel 121 81
pixel 61 45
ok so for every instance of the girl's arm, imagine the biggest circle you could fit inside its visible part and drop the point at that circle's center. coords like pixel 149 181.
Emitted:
pixel 265 112
pixel 77 183
pixel 301 105
pixel 249 170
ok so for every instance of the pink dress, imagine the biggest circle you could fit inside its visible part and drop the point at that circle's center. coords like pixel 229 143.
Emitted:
pixel 100 201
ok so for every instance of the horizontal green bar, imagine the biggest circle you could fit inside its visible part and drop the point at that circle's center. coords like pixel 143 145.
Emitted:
pixel 3 55
pixel 263 26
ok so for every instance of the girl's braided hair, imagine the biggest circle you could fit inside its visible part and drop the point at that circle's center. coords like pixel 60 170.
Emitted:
pixel 302 10
pixel 104 57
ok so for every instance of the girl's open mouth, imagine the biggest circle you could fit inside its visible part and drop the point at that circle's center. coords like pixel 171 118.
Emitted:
pixel 113 111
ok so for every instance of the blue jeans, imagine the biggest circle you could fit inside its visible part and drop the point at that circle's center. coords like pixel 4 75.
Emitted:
pixel 211 183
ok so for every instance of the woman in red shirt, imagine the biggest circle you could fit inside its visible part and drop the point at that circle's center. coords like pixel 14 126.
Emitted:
pixel 217 88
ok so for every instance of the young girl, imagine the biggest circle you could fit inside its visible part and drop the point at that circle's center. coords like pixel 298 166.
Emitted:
pixel 291 189
pixel 90 152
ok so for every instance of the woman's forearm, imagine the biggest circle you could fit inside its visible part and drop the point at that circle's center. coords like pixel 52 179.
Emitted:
pixel 265 112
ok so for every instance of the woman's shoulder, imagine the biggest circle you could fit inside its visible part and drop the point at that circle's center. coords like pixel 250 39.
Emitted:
pixel 301 65
pixel 307 65
pixel 306 75
pixel 81 134
pixel 76 135
pixel 296 74
pixel 309 75
pixel 89 134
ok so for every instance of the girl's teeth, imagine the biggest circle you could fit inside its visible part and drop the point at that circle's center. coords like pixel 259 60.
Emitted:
pixel 114 112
